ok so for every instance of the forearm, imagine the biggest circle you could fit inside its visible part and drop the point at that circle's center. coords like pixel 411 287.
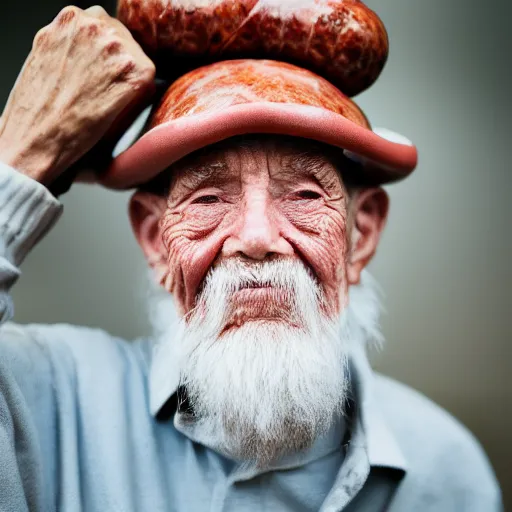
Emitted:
pixel 27 212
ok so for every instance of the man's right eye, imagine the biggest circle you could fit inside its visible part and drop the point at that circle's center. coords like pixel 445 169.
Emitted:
pixel 210 199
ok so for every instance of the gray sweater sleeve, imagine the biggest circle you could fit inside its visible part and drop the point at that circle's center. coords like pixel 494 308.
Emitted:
pixel 27 212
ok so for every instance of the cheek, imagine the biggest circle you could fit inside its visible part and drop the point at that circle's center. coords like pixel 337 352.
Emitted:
pixel 317 229
pixel 192 240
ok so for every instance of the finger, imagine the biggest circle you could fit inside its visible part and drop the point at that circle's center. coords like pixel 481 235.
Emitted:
pixel 98 12
pixel 67 15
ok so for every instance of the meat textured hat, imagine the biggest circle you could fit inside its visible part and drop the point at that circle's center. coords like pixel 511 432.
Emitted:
pixel 246 67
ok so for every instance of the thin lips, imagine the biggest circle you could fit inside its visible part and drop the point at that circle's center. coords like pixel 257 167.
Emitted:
pixel 243 286
pixel 277 293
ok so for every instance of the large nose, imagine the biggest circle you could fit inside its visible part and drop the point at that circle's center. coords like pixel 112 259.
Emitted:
pixel 256 233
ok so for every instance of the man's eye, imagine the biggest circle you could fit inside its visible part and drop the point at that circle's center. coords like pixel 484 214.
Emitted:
pixel 206 200
pixel 308 194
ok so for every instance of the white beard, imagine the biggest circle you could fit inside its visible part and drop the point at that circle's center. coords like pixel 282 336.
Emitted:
pixel 267 388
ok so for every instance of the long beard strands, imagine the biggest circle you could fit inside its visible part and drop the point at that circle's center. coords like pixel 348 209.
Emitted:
pixel 267 389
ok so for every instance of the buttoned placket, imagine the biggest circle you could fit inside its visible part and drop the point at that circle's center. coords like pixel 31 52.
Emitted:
pixel 352 475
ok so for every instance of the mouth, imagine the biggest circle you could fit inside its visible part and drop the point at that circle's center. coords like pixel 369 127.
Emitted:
pixel 256 286
pixel 253 284
pixel 259 302
pixel 275 293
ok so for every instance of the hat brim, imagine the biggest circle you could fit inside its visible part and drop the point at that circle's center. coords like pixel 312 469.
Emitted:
pixel 383 161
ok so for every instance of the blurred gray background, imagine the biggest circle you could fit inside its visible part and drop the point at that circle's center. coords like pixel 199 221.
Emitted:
pixel 444 262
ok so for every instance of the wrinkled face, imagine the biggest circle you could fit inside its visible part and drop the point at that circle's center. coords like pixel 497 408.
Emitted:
pixel 252 240
pixel 262 200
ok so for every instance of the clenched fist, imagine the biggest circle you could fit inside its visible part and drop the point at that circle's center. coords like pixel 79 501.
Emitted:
pixel 84 72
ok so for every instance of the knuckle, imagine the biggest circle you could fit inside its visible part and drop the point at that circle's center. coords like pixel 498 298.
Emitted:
pixel 67 14
pixel 141 75
pixel 89 28
pixel 96 10
pixel 132 71
pixel 113 47
pixel 125 69
pixel 42 36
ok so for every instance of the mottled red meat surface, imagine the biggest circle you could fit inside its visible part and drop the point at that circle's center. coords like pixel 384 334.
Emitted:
pixel 221 85
pixel 342 40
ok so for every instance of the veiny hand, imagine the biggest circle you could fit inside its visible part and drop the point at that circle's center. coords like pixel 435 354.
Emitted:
pixel 84 71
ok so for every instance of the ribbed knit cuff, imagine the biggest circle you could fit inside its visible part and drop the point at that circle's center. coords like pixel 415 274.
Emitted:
pixel 27 212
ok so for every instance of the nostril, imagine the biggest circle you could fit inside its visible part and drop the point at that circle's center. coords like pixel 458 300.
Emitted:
pixel 256 245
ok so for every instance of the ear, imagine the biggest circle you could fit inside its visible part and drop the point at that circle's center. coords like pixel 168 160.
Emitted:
pixel 369 212
pixel 145 211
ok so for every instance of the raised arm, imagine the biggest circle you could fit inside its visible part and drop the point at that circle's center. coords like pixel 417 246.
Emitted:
pixel 85 72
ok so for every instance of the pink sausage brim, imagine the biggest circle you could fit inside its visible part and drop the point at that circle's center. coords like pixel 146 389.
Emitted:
pixel 384 161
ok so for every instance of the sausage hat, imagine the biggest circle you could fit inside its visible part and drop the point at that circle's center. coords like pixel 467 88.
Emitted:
pixel 240 67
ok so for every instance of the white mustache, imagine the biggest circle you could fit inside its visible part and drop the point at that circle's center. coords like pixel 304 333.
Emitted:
pixel 236 275
pixel 298 288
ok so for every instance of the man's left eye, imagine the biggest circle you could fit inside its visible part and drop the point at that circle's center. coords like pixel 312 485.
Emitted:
pixel 210 199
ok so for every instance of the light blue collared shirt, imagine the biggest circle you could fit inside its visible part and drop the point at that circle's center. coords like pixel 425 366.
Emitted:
pixel 88 422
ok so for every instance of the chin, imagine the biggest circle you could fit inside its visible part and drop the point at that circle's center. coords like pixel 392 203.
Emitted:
pixel 266 387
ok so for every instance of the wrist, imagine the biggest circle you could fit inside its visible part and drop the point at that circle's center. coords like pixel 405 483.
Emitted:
pixel 28 210
pixel 38 164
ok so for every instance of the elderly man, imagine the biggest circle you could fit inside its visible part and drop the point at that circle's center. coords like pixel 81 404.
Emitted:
pixel 256 393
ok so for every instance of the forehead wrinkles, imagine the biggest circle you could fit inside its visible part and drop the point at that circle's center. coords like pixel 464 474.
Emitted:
pixel 220 167
pixel 309 164
pixel 190 175
pixel 286 159
pixel 270 158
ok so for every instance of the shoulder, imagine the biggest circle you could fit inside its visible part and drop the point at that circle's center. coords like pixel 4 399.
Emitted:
pixel 34 354
pixel 440 452
pixel 24 342
pixel 410 412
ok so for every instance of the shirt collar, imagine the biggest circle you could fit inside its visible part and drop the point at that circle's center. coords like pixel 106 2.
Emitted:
pixel 382 447
pixel 164 376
